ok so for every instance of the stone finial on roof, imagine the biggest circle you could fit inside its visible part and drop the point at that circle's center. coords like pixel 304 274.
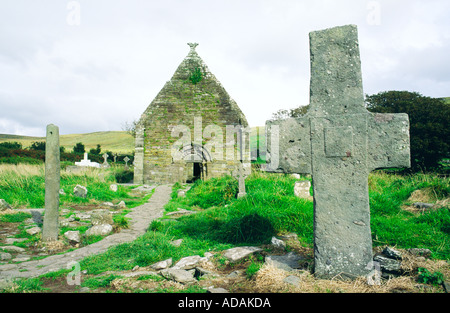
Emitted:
pixel 192 45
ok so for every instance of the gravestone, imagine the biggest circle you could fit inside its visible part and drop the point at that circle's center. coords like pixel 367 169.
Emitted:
pixel 339 142
pixel 126 159
pixel 240 173
pixel 87 162
pixel 52 184
pixel 105 160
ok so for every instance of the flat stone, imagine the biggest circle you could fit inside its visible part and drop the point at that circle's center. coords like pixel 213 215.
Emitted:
pixel 12 248
pixel 189 262
pixel 144 188
pixel 287 262
pixel 278 243
pixel 421 205
pixel 234 274
pixel 33 231
pixel 4 256
pixel 392 253
pixel 181 212
pixel 292 280
pixel 176 243
pixel 101 216
pixel 178 275
pixel 238 253
pixel 162 264
pixel 21 258
pixel 216 290
pixel 102 230
pixel 420 252
pixel 10 241
pixel 387 264
pixel 83 216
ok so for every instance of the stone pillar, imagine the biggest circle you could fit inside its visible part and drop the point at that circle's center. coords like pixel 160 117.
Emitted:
pixel 139 155
pixel 52 184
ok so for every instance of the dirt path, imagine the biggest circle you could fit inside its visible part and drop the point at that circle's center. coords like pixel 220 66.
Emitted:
pixel 140 219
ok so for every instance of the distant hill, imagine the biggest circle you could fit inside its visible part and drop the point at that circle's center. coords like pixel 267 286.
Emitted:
pixel 114 141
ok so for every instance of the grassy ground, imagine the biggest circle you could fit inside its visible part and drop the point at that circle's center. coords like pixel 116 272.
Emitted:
pixel 269 209
pixel 23 186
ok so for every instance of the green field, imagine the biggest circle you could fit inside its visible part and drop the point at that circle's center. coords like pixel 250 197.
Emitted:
pixel 114 141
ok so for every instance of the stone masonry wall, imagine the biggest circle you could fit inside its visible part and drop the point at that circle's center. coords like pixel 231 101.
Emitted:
pixel 195 99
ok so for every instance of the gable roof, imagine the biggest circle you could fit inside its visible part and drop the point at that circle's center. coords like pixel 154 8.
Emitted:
pixel 193 84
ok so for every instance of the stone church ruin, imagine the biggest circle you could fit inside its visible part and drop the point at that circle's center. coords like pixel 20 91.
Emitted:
pixel 190 130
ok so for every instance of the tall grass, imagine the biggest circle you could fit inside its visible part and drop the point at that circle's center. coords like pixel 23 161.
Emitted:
pixel 270 207
pixel 23 185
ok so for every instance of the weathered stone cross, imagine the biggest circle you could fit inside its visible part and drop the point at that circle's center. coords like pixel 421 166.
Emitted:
pixel 105 160
pixel 240 173
pixel 339 142
pixel 126 159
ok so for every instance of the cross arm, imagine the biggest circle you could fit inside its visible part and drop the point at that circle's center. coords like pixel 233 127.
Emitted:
pixel 289 145
pixel 388 141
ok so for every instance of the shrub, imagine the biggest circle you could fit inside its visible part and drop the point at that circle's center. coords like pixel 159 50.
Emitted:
pixel 426 277
pixel 10 145
pixel 124 176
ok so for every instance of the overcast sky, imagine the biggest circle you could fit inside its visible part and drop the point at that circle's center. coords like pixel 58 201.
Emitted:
pixel 92 65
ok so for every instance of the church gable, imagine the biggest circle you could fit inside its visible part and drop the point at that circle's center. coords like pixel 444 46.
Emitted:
pixel 192 97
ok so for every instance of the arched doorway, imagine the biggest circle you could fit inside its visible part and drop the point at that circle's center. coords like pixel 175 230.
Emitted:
pixel 196 158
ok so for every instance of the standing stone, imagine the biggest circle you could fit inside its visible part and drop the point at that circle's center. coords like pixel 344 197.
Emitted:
pixel 339 142
pixel 240 174
pixel 52 184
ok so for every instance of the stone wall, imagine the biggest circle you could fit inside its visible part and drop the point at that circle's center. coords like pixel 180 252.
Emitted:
pixel 192 107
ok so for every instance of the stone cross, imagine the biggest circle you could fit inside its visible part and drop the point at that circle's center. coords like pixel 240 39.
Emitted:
pixel 50 228
pixel 126 159
pixel 105 160
pixel 240 174
pixel 339 142
pixel 192 46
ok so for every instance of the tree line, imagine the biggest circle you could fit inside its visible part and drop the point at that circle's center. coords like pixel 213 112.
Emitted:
pixel 14 152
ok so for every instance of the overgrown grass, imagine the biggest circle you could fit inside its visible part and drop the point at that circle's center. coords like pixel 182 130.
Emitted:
pixel 147 249
pixel 24 186
pixel 393 225
pixel 270 207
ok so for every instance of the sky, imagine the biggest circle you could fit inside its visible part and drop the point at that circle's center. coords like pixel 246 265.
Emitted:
pixel 94 65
